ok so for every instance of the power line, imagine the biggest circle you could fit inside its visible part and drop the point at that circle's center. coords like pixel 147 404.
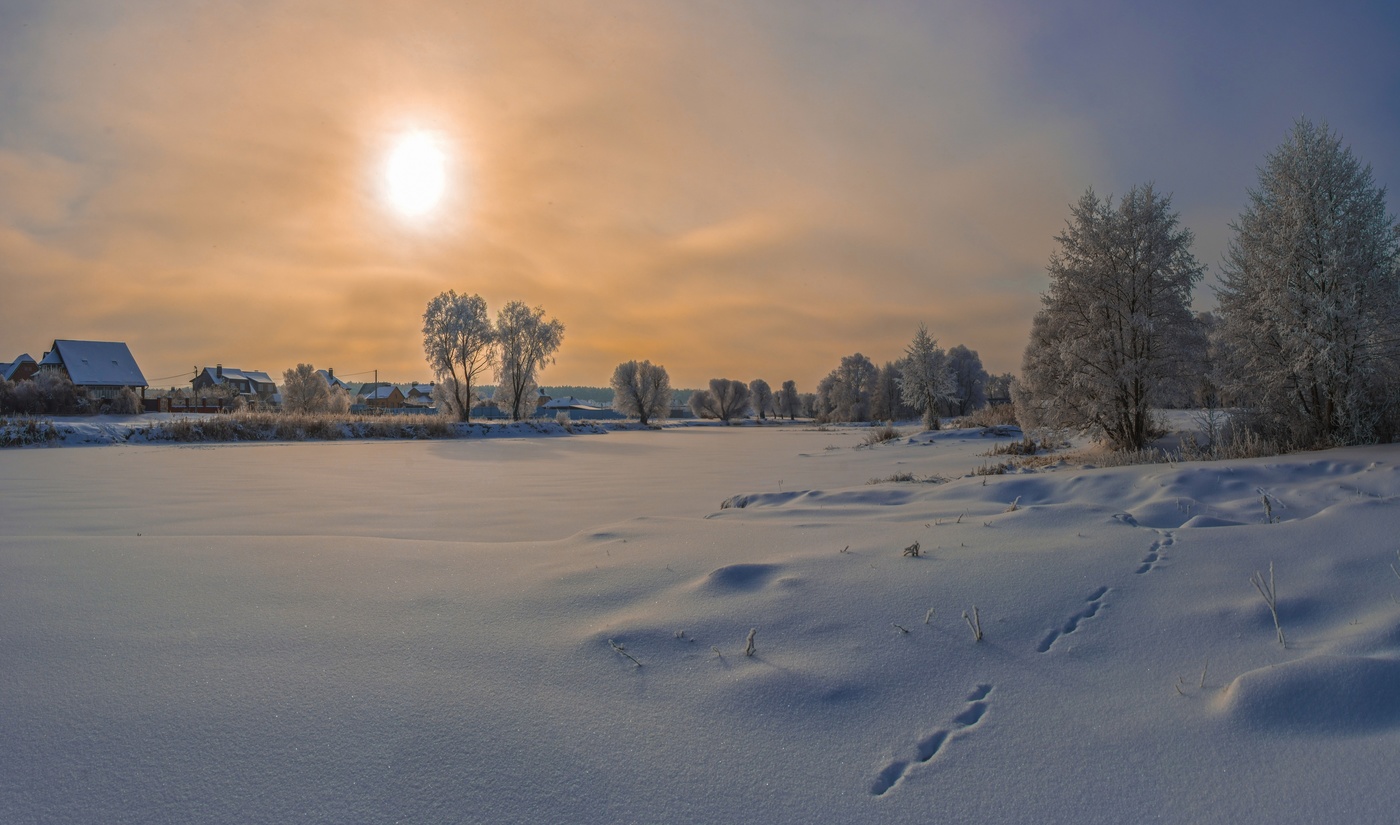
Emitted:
pixel 168 377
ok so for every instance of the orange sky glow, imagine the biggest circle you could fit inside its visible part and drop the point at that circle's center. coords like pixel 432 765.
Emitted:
pixel 731 190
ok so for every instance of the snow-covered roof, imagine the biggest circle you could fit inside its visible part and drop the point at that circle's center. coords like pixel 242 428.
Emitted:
pixel 8 369
pixel 570 403
pixel 331 380
pixel 232 374
pixel 98 363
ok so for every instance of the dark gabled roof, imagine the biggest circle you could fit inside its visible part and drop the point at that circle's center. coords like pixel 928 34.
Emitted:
pixel 231 373
pixel 98 363
pixel 331 380
pixel 8 370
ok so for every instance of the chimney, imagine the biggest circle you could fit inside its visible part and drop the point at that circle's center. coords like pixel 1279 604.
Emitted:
pixel 219 372
pixel 330 372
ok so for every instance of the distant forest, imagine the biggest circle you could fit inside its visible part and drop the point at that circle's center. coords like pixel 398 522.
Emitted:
pixel 598 395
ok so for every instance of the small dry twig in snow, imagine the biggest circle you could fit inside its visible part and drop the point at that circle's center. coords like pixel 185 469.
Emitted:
pixel 912 550
pixel 1266 589
pixel 620 649
pixel 900 628
pixel 975 622
pixel 1013 506
pixel 748 643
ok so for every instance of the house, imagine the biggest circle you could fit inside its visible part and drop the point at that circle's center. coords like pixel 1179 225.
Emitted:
pixel 379 395
pixel 576 408
pixel 103 368
pixel 19 369
pixel 251 385
pixel 333 382
pixel 417 395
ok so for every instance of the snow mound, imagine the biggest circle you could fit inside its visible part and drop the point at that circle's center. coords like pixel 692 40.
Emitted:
pixel 1319 694
pixel 1210 521
pixel 739 578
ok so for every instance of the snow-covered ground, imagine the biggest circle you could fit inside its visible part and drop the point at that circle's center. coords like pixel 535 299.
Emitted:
pixel 445 631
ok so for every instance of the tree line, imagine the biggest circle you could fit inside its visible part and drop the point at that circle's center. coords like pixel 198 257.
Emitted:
pixel 1305 347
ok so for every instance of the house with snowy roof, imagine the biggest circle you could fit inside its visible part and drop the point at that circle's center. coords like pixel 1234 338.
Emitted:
pixel 379 395
pixel 19 369
pixel 331 381
pixel 251 385
pixel 417 395
pixel 103 368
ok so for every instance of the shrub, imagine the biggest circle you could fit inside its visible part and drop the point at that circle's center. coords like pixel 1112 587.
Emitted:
pixel 992 415
pixel 127 402
pixel 881 435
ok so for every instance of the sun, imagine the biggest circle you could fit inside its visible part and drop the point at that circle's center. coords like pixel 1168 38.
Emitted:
pixel 415 174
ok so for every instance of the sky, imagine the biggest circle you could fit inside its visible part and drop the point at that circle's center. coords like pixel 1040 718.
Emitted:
pixel 737 190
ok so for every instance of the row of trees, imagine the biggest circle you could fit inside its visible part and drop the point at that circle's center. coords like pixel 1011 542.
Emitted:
pixel 927 382
pixel 1307 340
pixel 462 343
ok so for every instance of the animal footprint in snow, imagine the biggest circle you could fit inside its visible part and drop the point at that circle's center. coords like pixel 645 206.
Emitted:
pixel 1154 553
pixel 1092 606
pixel 969 718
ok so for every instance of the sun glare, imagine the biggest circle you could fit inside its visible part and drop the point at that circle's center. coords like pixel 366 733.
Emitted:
pixel 415 174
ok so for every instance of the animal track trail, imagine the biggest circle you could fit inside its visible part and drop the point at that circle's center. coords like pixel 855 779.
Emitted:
pixel 962 724
pixel 1092 606
pixel 1155 552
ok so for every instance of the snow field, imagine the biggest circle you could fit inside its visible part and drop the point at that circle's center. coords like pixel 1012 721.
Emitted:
pixel 429 631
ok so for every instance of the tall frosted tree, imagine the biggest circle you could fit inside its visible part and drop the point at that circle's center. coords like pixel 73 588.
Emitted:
pixel 1115 334
pixel 460 343
pixel 887 404
pixel 726 399
pixel 927 381
pixel 642 389
pixel 845 394
pixel 304 390
pixel 527 345
pixel 789 401
pixel 969 379
pixel 760 398
pixel 1310 297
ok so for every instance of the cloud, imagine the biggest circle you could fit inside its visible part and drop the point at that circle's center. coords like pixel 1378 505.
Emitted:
pixel 729 190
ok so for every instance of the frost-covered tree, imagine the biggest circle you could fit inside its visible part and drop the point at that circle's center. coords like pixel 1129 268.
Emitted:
pixel 127 402
pixel 1310 297
pixel 338 400
pixel 460 343
pixel 642 389
pixel 969 380
pixel 927 381
pixel 761 398
pixel 845 393
pixel 304 390
pixel 789 401
pixel 726 400
pixel 887 402
pixel 527 344
pixel 999 387
pixel 1115 334
pixel 449 398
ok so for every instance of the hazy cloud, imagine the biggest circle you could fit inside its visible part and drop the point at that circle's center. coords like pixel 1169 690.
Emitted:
pixel 739 190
